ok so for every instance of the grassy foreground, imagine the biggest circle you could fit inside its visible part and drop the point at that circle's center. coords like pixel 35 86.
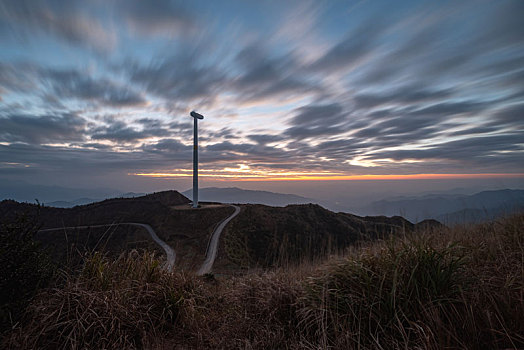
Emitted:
pixel 450 288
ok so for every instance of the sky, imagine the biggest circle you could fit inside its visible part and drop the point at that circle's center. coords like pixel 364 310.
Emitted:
pixel 295 94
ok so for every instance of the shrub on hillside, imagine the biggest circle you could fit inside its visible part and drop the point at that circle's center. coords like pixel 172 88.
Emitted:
pixel 380 296
pixel 123 303
pixel 24 268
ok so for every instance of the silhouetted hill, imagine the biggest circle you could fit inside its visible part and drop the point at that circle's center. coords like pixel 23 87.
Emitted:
pixel 241 196
pixel 186 230
pixel 259 236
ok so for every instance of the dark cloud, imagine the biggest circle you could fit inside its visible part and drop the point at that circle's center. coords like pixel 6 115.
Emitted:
pixel 18 77
pixel 228 146
pixel 151 123
pixel 400 127
pixel 66 20
pixel 318 114
pixel 181 126
pixel 186 78
pixel 339 149
pixel 227 133
pixel 318 120
pixel 451 108
pixel 180 77
pixel 264 76
pixel 95 145
pixel 440 46
pixel 74 84
pixel 82 162
pixel 472 150
pixel 119 131
pixel 405 95
pixel 171 147
pixel 354 47
pixel 505 29
pixel 265 139
pixel 512 115
pixel 158 17
pixel 65 127
pixel 216 154
pixel 476 130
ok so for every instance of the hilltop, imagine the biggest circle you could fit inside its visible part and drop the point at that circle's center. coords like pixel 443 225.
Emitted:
pixel 185 230
pixel 260 236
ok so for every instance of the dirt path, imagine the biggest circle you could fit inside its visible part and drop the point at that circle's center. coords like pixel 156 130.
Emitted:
pixel 170 253
pixel 213 244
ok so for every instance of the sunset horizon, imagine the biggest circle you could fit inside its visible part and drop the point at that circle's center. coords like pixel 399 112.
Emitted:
pixel 302 91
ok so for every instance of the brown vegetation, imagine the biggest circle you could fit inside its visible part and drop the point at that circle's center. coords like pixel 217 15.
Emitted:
pixel 186 231
pixel 263 236
pixel 448 288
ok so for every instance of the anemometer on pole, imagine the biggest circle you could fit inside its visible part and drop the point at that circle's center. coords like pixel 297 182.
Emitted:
pixel 195 116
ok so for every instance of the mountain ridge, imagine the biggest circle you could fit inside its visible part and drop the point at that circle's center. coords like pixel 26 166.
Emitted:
pixel 448 208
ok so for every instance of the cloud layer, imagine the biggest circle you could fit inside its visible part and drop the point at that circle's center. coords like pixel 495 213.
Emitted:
pixel 296 87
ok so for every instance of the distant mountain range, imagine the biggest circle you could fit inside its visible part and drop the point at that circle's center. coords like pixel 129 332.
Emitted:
pixel 83 201
pixel 451 209
pixel 26 192
pixel 448 208
pixel 241 196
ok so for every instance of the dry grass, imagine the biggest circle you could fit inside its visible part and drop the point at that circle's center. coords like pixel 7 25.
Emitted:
pixel 112 304
pixel 454 288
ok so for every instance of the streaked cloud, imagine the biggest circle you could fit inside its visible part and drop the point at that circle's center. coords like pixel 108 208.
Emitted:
pixel 345 89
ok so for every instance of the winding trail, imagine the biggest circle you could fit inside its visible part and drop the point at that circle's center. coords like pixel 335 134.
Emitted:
pixel 170 253
pixel 212 247
pixel 211 251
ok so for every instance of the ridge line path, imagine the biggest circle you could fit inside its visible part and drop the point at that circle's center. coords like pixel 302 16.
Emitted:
pixel 211 252
pixel 170 253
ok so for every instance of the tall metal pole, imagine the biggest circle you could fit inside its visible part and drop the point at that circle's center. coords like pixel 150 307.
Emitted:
pixel 195 163
pixel 195 116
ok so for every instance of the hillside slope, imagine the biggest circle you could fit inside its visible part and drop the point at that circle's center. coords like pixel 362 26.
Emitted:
pixel 187 231
pixel 260 236
pixel 269 236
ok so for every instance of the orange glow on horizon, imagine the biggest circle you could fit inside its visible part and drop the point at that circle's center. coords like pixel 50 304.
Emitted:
pixel 296 176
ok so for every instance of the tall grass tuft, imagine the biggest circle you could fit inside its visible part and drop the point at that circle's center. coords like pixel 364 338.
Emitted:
pixel 111 304
pixel 378 299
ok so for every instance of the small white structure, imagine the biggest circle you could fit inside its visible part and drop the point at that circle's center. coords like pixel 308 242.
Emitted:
pixel 195 116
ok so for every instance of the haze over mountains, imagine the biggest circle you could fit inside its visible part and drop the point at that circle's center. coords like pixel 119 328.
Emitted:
pixel 241 196
pixel 449 207
pixel 446 208
pixel 57 196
